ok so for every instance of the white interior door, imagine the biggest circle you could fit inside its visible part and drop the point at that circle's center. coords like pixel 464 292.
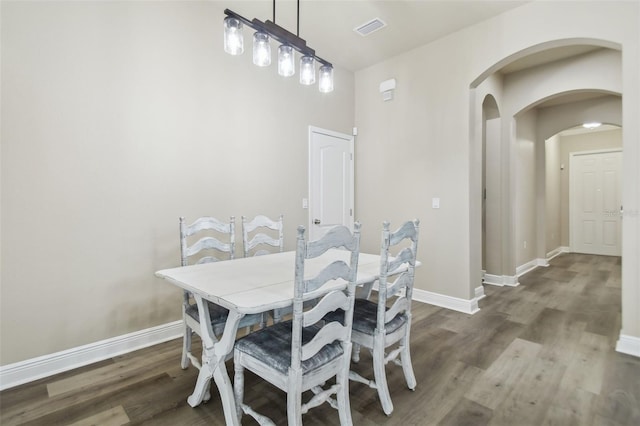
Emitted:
pixel 596 226
pixel 331 185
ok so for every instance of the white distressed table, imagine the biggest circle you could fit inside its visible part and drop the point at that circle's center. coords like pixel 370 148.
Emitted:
pixel 246 286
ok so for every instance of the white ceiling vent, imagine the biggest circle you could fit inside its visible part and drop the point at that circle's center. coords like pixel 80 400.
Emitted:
pixel 369 27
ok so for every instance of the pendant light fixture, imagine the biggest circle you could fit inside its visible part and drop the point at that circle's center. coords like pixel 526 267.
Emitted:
pixel 261 49
pixel 286 61
pixel 289 43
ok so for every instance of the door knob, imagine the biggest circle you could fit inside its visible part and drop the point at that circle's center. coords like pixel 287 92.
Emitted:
pixel 316 221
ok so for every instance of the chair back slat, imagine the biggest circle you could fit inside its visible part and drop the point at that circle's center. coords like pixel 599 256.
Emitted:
pixel 208 243
pixel 405 256
pixel 401 304
pixel 265 232
pixel 400 283
pixel 207 223
pixel 262 239
pixel 336 237
pixel 329 303
pixel 207 259
pixel 328 334
pixel 336 270
pixel 407 230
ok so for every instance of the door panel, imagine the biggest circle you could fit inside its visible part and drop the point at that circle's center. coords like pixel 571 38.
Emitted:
pixel 331 184
pixel 595 202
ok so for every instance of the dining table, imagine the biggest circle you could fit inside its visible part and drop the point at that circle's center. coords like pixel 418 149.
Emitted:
pixel 244 286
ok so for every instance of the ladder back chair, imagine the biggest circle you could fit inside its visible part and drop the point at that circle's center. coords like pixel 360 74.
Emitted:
pixel 215 241
pixel 303 353
pixel 385 323
pixel 258 236
pixel 261 232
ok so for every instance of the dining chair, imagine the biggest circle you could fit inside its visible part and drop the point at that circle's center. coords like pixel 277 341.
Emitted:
pixel 386 323
pixel 259 233
pixel 302 354
pixel 206 240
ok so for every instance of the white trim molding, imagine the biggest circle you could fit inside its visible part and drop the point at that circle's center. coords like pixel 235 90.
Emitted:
pixel 629 345
pixel 479 293
pixel 501 280
pixel 556 252
pixel 47 365
pixel 530 266
pixel 442 300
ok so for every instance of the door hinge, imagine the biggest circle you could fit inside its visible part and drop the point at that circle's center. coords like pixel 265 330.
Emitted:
pixel 350 212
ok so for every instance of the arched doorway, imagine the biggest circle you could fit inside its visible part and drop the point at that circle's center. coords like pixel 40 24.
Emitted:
pixel 520 85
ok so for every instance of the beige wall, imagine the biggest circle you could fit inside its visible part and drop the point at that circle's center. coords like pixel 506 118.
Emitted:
pixel 427 142
pixel 525 208
pixel 117 118
pixel 553 193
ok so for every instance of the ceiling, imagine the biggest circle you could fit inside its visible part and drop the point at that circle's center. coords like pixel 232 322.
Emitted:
pixel 328 25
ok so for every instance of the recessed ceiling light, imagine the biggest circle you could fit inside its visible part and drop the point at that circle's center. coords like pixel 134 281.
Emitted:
pixel 591 125
pixel 369 27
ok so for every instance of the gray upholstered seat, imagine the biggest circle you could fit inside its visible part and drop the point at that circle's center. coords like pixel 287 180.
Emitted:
pixel 216 312
pixel 273 345
pixel 305 353
pixel 364 318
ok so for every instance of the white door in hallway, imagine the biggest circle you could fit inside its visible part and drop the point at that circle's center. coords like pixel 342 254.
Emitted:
pixel 595 198
pixel 331 183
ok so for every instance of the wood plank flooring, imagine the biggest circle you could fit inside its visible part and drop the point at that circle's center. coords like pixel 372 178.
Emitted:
pixel 541 353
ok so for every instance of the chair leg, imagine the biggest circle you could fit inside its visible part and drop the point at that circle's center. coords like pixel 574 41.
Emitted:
pixel 238 387
pixel 355 354
pixel 294 399
pixel 380 375
pixel 344 406
pixel 186 347
pixel 407 367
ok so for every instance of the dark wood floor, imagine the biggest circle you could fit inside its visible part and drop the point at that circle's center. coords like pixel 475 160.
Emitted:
pixel 538 354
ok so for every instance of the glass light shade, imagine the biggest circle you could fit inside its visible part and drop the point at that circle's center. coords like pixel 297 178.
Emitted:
pixel 261 49
pixel 325 80
pixel 233 40
pixel 307 70
pixel 286 61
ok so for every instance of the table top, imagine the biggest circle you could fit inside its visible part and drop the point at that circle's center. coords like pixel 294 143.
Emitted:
pixel 257 284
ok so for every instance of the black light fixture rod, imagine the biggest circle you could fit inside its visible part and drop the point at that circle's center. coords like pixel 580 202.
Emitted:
pixel 280 34
pixel 298 26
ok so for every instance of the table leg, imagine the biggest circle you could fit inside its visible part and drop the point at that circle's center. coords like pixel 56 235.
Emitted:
pixel 213 363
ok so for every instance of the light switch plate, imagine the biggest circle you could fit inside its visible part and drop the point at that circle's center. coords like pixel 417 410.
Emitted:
pixel 435 203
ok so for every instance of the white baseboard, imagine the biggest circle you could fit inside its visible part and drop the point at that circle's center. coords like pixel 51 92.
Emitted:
pixel 629 345
pixel 453 303
pixel 501 280
pixel 479 293
pixel 36 368
pixel 557 251
pixel 530 266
